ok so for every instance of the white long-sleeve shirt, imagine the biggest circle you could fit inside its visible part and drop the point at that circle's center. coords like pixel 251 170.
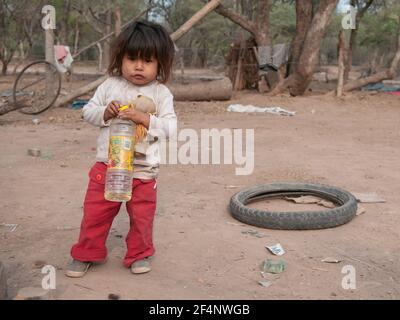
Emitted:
pixel 162 125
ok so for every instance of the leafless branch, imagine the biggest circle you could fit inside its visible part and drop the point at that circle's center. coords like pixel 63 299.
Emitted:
pixel 236 18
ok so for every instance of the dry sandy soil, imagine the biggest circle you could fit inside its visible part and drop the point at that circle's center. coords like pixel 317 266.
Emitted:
pixel 202 252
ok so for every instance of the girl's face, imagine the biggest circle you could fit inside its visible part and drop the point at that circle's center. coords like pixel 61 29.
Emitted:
pixel 138 71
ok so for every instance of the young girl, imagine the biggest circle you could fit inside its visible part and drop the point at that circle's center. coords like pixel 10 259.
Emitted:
pixel 141 63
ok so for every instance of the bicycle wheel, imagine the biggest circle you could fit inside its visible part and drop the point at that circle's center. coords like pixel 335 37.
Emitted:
pixel 36 87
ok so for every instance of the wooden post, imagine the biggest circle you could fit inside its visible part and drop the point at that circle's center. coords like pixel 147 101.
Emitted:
pixel 239 79
pixel 239 76
pixel 49 54
pixel 341 62
pixel 49 45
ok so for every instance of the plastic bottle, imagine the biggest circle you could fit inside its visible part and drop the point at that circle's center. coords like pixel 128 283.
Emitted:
pixel 118 185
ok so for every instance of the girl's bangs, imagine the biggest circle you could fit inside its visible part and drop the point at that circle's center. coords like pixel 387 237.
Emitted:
pixel 141 46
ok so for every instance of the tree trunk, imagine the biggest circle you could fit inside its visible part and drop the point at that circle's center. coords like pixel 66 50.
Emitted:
pixel 299 81
pixel 262 30
pixel 2 40
pixel 349 59
pixel 312 44
pixel 304 9
pixel 4 68
pixel 5 58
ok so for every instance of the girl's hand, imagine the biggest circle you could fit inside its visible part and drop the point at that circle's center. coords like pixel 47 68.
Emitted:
pixel 136 116
pixel 111 110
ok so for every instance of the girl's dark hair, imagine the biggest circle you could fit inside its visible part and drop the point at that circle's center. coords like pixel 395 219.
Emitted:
pixel 143 40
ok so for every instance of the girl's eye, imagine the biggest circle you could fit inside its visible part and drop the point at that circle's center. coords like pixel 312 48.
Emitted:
pixel 148 60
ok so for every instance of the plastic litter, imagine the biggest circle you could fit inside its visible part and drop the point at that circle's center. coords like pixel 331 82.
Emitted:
pixel 276 249
pixel 78 104
pixel 12 226
pixel 271 266
pixel 251 108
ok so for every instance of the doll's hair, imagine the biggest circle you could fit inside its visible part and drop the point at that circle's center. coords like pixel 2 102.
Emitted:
pixel 143 40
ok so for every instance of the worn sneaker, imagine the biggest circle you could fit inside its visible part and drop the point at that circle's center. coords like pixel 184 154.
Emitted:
pixel 141 266
pixel 77 269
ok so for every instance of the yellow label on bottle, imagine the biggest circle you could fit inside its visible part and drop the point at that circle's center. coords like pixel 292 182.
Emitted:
pixel 120 153
pixel 123 108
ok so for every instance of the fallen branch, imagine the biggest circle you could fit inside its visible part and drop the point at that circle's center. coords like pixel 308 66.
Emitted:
pixel 377 77
pixel 80 92
pixel 6 107
pixel 237 18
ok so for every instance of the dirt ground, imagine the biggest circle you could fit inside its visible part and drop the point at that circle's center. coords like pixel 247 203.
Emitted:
pixel 201 251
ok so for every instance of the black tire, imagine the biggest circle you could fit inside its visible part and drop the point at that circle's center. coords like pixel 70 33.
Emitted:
pixel 294 220
pixel 40 102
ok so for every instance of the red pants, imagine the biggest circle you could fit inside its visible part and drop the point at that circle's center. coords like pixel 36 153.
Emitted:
pixel 100 213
